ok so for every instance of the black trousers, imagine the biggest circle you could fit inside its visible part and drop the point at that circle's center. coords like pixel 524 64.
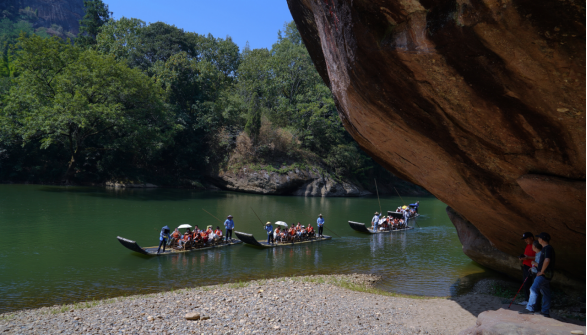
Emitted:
pixel 228 233
pixel 162 243
pixel 320 230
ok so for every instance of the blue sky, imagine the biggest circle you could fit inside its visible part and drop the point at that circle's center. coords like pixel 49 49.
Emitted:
pixel 256 21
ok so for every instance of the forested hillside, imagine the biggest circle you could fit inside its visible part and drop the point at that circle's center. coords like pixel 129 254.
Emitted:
pixel 136 102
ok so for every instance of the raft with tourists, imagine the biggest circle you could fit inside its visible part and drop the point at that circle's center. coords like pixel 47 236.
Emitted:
pixel 177 242
pixel 398 220
pixel 283 236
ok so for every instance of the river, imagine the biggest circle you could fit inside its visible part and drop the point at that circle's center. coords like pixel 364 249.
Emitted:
pixel 59 243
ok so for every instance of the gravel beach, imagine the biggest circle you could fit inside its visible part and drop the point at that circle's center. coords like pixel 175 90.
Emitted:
pixel 334 304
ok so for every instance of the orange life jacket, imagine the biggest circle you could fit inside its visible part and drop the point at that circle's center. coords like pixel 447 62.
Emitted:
pixel 175 234
pixel 209 231
pixel 218 232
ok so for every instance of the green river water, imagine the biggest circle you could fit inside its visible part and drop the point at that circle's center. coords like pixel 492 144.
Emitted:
pixel 59 243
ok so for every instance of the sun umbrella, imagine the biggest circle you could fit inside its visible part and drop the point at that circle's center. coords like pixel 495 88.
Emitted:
pixel 281 223
pixel 185 225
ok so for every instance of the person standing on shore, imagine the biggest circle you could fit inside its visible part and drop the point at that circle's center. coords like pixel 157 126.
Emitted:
pixel 229 225
pixel 375 221
pixel 320 223
pixel 543 278
pixel 527 259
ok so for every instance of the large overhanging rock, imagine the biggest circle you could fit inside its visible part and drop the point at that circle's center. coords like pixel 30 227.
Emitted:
pixel 481 102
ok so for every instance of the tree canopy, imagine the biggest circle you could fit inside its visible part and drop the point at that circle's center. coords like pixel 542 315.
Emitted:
pixel 132 100
pixel 70 96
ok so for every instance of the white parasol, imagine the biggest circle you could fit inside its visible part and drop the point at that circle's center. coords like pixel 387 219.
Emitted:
pixel 185 225
pixel 281 223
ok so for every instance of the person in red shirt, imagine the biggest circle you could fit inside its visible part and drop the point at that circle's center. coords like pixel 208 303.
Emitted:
pixel 527 259
pixel 310 231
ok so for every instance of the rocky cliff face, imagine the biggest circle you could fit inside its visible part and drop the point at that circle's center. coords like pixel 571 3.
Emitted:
pixel 480 102
pixel 311 183
pixel 65 13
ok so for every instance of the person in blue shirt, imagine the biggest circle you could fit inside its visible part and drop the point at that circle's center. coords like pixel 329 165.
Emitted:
pixel 415 206
pixel 163 237
pixel 269 229
pixel 375 221
pixel 320 223
pixel 229 225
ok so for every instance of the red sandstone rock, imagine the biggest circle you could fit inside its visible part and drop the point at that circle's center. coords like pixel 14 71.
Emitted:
pixel 505 321
pixel 480 102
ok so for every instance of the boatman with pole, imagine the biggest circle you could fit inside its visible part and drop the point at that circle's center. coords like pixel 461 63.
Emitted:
pixel 229 225
pixel 375 221
pixel 269 229
pixel 406 217
pixel 415 206
pixel 320 223
pixel 163 237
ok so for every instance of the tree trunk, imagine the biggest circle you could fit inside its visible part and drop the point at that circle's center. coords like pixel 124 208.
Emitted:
pixel 68 176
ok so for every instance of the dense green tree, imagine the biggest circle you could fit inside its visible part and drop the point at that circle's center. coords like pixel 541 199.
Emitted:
pixel 158 42
pixel 120 38
pixel 284 86
pixel 253 125
pixel 71 96
pixel 96 16
pixel 114 107
pixel 222 53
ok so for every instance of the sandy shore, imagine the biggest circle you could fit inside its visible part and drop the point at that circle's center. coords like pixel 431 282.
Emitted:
pixel 335 304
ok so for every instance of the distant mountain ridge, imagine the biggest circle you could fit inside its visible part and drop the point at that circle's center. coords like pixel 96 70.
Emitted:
pixel 49 14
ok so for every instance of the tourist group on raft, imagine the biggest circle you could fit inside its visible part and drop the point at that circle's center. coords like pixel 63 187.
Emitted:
pixel 380 222
pixel 295 233
pixel 199 238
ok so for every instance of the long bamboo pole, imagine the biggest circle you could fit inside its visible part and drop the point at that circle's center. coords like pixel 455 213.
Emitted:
pixel 376 189
pixel 212 215
pixel 257 216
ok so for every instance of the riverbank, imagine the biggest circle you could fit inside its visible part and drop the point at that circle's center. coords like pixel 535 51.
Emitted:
pixel 294 305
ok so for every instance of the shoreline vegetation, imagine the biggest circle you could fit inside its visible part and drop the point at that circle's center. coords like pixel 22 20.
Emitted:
pixel 301 304
pixel 129 102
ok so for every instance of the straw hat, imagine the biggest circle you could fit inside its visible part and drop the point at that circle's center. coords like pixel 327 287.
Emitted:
pixel 230 216
pixel 209 226
pixel 268 223
pixel 320 215
pixel 376 213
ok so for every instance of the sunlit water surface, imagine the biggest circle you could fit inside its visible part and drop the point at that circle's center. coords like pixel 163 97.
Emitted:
pixel 59 243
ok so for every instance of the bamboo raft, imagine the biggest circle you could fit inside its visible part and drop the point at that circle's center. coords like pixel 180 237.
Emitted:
pixel 360 227
pixel 249 239
pixel 152 251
